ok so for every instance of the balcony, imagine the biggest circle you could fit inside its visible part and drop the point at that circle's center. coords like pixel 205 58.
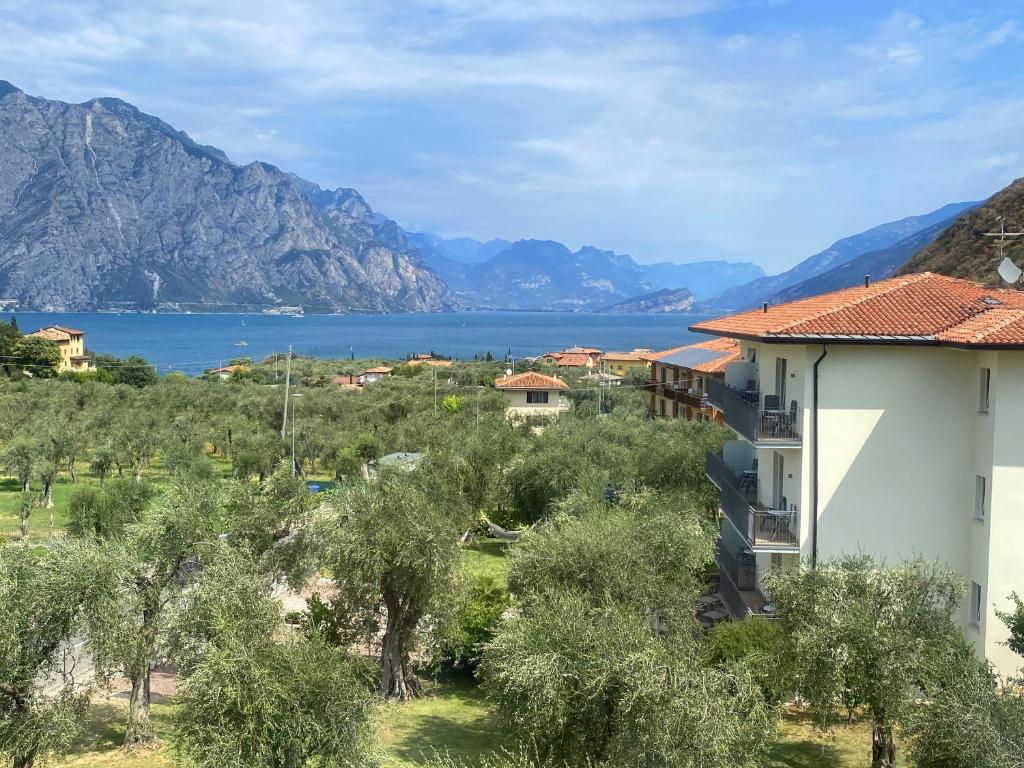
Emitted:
pixel 737 581
pixel 763 426
pixel 679 392
pixel 763 527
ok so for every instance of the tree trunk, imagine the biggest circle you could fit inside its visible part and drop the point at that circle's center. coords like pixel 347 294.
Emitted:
pixel 397 680
pixel 103 476
pixel 139 732
pixel 24 485
pixel 365 468
pixel 71 470
pixel 883 748
pixel 25 761
pixel 48 494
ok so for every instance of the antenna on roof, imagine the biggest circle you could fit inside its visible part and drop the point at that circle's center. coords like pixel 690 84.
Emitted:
pixel 1007 269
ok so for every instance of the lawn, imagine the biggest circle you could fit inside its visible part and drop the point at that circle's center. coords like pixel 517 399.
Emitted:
pixel 487 556
pixel 100 744
pixel 801 745
pixel 454 719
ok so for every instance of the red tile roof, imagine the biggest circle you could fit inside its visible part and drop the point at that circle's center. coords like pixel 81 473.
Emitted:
pixel 922 308
pixel 378 369
pixel 574 360
pixel 530 380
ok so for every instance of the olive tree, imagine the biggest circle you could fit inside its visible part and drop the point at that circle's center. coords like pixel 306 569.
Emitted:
pixel 50 601
pixel 249 697
pixel 586 684
pixel 393 548
pixel 648 551
pixel 970 718
pixel 861 634
pixel 20 457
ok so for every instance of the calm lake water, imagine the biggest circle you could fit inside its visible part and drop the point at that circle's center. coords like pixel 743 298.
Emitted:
pixel 191 343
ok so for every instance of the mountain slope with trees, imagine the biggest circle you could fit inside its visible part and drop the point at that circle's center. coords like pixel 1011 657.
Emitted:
pixel 963 250
pixel 840 252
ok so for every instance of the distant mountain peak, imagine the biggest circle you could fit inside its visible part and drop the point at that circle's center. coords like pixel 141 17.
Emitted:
pixel 7 88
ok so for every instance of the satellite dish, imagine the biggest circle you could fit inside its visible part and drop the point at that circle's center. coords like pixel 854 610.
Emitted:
pixel 1009 271
pixel 508 371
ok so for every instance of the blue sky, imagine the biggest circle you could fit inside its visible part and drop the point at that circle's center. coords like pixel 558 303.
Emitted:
pixel 679 130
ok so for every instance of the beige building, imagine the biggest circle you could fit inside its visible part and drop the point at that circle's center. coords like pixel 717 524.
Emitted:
pixel 883 419
pixel 533 394
pixel 71 344
pixel 679 378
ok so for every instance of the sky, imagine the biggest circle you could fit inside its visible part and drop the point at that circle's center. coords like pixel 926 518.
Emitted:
pixel 667 129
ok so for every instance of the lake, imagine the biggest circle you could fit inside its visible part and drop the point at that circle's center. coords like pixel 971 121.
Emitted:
pixel 192 343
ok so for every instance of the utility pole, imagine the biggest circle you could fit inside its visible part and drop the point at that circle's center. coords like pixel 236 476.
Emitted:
pixel 294 463
pixel 287 390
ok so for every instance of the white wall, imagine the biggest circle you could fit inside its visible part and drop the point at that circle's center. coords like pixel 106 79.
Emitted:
pixel 1005 521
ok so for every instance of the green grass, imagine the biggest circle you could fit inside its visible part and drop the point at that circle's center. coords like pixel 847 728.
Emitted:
pixel 100 744
pixel 453 719
pixel 487 556
pixel 801 745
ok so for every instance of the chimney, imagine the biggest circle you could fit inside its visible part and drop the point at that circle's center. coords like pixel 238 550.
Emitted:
pixel 867 281
pixel 765 307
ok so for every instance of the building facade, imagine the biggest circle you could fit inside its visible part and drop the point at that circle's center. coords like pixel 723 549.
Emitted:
pixel 626 363
pixel 71 343
pixel 533 394
pixel 679 378
pixel 884 420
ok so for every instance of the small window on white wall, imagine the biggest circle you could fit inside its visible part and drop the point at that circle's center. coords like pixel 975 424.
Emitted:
pixel 975 603
pixel 980 496
pixel 984 387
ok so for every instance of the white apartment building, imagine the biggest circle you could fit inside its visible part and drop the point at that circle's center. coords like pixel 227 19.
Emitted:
pixel 888 420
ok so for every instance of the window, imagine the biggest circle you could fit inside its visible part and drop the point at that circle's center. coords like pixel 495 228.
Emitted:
pixel 975 603
pixel 661 407
pixel 980 484
pixel 780 380
pixel 984 387
pixel 538 398
pixel 662 368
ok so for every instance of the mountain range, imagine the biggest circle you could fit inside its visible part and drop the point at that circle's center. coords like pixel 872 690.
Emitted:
pixel 544 274
pixel 102 205
pixel 889 245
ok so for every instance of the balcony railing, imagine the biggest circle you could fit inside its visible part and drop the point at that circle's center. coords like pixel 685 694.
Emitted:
pixel 737 581
pixel 761 526
pixel 741 411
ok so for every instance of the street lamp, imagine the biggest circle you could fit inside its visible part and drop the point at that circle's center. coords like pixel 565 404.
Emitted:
pixel 295 396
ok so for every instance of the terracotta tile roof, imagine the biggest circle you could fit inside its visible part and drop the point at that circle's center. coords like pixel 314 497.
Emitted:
pixel 574 360
pixel 52 333
pixel 430 363
pixel 530 380
pixel 730 349
pixel 582 351
pixel 229 369
pixel 378 369
pixel 921 308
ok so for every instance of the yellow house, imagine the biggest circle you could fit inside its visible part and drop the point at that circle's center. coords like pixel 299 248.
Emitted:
pixel 625 363
pixel 71 344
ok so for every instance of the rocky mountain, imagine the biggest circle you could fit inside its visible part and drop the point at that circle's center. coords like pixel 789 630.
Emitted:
pixel 963 249
pixel 666 300
pixel 103 205
pixel 878 265
pixel 839 253
pixel 543 274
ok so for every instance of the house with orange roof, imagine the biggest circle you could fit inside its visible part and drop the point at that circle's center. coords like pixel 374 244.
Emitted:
pixel 70 342
pixel 224 373
pixel 680 376
pixel 883 419
pixel 533 394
